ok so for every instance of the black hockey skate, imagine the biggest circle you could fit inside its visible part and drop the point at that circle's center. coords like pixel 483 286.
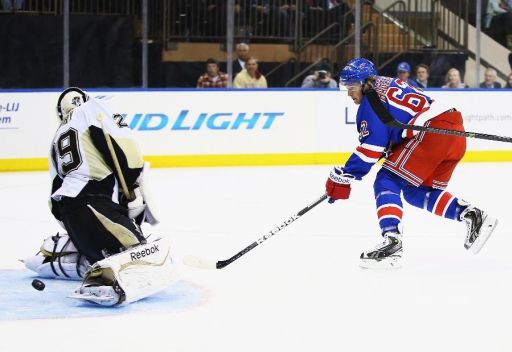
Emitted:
pixel 387 255
pixel 479 227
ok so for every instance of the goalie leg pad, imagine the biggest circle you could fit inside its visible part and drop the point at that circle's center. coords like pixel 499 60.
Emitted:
pixel 134 274
pixel 58 258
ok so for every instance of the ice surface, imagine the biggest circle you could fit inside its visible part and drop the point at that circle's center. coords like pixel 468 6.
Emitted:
pixel 301 290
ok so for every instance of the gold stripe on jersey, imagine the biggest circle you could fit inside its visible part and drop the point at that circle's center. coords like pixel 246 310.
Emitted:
pixel 131 152
pixel 123 235
pixel 98 168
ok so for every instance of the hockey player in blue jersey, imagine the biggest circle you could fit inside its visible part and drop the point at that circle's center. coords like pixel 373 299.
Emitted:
pixel 417 166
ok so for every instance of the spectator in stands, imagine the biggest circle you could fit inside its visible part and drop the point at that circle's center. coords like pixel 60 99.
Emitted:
pixel 338 11
pixel 509 81
pixel 213 78
pixel 453 79
pixel 216 16
pixel 250 77
pixel 242 53
pixel 314 17
pixel 422 74
pixel 12 5
pixel 259 14
pixel 321 78
pixel 403 72
pixel 490 76
pixel 494 7
pixel 284 16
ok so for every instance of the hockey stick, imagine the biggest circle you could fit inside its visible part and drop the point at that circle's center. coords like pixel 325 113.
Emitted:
pixel 212 264
pixel 112 151
pixel 384 115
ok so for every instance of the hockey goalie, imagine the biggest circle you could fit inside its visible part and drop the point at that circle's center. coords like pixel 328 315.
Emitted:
pixel 100 196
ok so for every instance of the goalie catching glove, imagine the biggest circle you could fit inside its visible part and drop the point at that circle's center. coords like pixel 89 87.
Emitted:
pixel 338 184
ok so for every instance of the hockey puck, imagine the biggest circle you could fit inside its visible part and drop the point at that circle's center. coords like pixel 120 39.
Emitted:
pixel 38 284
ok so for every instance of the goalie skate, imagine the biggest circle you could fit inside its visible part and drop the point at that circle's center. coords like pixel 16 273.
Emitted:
pixel 387 255
pixel 102 295
pixel 479 227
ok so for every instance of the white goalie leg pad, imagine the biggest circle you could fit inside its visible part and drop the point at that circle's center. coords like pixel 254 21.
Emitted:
pixel 58 258
pixel 129 276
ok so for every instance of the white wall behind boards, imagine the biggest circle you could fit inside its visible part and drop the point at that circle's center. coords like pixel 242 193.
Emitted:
pixel 199 122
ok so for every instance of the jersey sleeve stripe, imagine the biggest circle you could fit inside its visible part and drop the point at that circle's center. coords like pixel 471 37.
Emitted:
pixel 365 158
pixel 367 155
pixel 372 147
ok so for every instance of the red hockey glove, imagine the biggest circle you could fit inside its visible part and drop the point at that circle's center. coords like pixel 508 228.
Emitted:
pixel 338 184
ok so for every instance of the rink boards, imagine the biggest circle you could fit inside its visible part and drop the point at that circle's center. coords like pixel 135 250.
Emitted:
pixel 236 127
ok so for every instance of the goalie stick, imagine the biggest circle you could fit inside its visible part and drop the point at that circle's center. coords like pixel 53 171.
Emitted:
pixel 388 119
pixel 117 166
pixel 212 264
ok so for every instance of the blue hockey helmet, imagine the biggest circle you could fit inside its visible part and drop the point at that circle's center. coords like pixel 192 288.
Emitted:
pixel 403 67
pixel 357 71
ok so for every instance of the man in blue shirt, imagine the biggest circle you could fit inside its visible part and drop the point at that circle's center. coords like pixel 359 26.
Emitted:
pixel 403 72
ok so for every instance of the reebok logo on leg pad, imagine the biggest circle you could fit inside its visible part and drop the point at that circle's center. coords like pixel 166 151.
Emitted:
pixel 136 273
pixel 144 253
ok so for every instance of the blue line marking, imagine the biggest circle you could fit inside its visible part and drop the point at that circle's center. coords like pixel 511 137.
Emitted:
pixel 19 300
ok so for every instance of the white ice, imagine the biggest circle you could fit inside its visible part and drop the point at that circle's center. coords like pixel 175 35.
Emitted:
pixel 301 290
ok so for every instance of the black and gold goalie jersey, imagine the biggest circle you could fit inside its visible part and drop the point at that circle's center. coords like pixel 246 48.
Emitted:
pixel 81 164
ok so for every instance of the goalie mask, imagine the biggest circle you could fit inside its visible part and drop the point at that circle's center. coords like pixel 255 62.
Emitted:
pixel 68 100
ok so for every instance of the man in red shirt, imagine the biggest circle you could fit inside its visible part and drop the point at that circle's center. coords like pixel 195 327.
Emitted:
pixel 213 78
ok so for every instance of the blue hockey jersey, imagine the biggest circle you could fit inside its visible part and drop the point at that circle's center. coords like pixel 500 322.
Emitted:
pixel 403 102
